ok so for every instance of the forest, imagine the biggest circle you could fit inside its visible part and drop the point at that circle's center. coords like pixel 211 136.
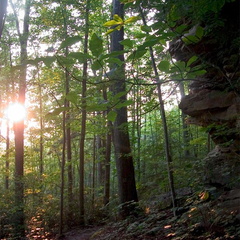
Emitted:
pixel 119 119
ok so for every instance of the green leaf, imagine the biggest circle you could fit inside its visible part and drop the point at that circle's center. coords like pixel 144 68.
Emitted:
pixel 127 42
pixel 96 107
pixel 180 29
pixel 132 19
pixel 96 45
pixel 164 66
pixel 146 28
pixel 70 41
pixel 124 104
pixel 81 57
pixel 65 60
pixel 118 19
pixel 149 43
pixel 57 111
pixel 112 116
pixel 137 54
pixel 190 39
pixel 140 35
pixel 199 32
pixel 72 97
pixel 174 14
pixel 192 60
pixel 114 60
pixel 110 31
pixel 111 23
pixel 199 72
pixel 119 95
pixel 113 54
pixel 96 65
pixel 180 66
pixel 49 60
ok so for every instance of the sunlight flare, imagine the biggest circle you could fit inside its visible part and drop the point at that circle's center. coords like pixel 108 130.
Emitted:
pixel 16 112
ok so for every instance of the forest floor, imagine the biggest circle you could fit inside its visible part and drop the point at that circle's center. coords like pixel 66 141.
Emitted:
pixel 200 218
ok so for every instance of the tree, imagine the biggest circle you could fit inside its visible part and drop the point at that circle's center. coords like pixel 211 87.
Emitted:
pixel 3 10
pixel 19 126
pixel 124 160
pixel 84 117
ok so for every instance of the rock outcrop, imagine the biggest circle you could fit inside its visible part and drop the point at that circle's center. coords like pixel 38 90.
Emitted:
pixel 214 98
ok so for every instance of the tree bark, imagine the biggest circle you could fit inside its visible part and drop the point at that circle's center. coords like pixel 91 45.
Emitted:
pixel 107 155
pixel 84 118
pixel 3 10
pixel 124 160
pixel 19 126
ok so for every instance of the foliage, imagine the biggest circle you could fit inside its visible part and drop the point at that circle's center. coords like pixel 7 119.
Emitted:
pixel 55 54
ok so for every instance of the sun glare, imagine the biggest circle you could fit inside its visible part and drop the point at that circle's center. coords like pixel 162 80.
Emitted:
pixel 15 112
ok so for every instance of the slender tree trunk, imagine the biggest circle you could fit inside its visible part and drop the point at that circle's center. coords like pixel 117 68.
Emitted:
pixel 7 157
pixel 186 134
pixel 84 117
pixel 93 171
pixel 164 121
pixel 107 156
pixel 68 130
pixel 124 160
pixel 63 162
pixel 138 128
pixel 3 10
pixel 41 132
pixel 19 126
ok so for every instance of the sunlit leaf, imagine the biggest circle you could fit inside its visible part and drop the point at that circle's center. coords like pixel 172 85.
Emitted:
pixel 111 23
pixel 110 31
pixel 118 19
pixel 131 19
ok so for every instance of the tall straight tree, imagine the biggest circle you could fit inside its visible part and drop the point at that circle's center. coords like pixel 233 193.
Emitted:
pixel 19 126
pixel 164 122
pixel 124 160
pixel 84 118
pixel 3 10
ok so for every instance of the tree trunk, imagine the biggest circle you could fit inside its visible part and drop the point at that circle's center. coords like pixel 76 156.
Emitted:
pixel 186 134
pixel 19 126
pixel 107 155
pixel 68 130
pixel 62 173
pixel 84 117
pixel 164 121
pixel 3 10
pixel 124 160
